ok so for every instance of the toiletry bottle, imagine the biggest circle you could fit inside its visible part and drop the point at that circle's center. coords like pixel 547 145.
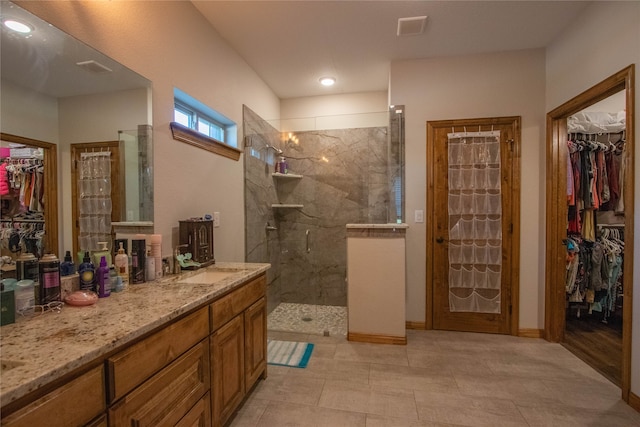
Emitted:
pixel 67 267
pixel 87 271
pixel 150 267
pixel 122 266
pixel 113 279
pixel 102 252
pixel 49 283
pixel 138 263
pixel 104 285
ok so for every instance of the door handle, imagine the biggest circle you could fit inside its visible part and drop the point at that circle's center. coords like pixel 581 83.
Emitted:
pixel 308 248
pixel 439 240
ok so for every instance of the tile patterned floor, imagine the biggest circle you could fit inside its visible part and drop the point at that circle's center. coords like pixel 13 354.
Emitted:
pixel 309 319
pixel 437 379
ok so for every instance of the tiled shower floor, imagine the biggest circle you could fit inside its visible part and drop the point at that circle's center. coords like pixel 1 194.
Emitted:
pixel 309 319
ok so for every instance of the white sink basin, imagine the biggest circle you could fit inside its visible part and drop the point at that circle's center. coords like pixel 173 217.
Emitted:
pixel 207 277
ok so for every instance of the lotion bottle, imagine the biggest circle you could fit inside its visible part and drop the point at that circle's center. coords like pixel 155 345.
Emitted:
pixel 122 266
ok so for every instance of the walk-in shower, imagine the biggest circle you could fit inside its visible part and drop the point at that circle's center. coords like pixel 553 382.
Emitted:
pixel 348 170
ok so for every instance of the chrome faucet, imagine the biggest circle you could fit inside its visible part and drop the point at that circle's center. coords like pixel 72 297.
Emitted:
pixel 176 264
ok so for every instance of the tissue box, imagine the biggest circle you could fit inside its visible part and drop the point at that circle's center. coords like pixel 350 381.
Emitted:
pixel 7 307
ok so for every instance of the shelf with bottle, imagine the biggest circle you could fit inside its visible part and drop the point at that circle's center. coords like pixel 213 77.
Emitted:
pixel 287 206
pixel 286 175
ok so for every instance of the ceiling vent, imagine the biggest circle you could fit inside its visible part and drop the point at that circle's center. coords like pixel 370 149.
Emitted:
pixel 411 26
pixel 94 66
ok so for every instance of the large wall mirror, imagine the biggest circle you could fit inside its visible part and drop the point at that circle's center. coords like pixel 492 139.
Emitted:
pixel 59 92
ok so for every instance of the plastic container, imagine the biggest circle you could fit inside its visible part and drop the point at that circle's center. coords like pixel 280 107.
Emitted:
pixel 24 294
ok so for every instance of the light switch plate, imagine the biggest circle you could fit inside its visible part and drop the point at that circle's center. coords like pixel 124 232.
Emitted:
pixel 419 216
pixel 216 219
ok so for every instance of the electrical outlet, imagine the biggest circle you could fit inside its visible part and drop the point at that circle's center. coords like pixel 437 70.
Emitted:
pixel 419 216
pixel 216 219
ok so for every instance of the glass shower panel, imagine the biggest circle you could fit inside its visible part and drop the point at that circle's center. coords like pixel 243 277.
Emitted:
pixel 475 222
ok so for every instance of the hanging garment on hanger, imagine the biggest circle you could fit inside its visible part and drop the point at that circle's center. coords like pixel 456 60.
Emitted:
pixel 620 205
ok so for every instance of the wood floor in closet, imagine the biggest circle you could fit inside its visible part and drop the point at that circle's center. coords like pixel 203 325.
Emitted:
pixel 597 344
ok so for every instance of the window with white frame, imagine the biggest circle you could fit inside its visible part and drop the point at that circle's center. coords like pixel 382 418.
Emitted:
pixel 200 125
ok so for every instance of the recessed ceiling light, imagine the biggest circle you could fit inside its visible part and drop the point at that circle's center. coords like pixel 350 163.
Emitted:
pixel 18 26
pixel 327 81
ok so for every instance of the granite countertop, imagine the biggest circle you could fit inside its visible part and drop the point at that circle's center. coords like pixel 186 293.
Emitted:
pixel 37 350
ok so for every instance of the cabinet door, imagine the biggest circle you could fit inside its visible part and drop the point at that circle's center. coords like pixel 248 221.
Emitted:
pixel 166 397
pixel 255 342
pixel 227 352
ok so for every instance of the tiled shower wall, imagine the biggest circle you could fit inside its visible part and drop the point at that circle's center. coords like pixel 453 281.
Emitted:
pixel 345 179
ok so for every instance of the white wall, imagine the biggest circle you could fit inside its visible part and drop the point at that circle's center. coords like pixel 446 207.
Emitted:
pixel 352 110
pixel 193 57
pixel 505 84
pixel 606 41
pixel 24 112
pixel 92 118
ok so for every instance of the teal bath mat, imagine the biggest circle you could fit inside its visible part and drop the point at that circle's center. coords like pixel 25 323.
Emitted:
pixel 289 353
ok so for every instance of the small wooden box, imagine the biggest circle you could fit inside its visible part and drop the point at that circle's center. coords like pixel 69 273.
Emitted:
pixel 197 234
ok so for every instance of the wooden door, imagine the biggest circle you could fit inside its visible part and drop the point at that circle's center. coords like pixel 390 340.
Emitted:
pixel 117 189
pixel 472 277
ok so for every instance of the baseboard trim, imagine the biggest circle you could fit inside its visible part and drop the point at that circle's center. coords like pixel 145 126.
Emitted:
pixel 416 325
pixel 634 401
pixel 376 339
pixel 531 333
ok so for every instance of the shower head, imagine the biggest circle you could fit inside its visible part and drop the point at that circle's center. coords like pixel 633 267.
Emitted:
pixel 276 149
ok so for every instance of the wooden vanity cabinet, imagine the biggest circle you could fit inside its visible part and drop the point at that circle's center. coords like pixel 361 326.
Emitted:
pixel 76 403
pixel 238 347
pixel 193 372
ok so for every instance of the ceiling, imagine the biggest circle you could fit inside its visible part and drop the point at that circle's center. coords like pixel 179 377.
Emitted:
pixel 46 60
pixel 291 44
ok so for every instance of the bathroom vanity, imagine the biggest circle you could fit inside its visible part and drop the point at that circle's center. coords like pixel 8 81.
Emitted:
pixel 376 282
pixel 181 351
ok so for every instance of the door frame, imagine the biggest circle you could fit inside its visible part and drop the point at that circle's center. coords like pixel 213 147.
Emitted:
pixel 556 209
pixel 514 274
pixel 50 159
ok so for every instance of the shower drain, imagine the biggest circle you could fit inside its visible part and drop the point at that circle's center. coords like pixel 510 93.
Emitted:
pixel 307 319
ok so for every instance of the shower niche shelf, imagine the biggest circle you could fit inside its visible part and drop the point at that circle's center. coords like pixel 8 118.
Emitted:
pixel 286 175
pixel 287 206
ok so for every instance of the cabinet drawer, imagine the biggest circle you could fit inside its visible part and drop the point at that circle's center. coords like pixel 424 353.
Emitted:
pixel 131 367
pixel 73 404
pixel 229 306
pixel 166 397
pixel 199 415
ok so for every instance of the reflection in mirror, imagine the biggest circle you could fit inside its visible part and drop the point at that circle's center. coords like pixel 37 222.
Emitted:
pixel 57 89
